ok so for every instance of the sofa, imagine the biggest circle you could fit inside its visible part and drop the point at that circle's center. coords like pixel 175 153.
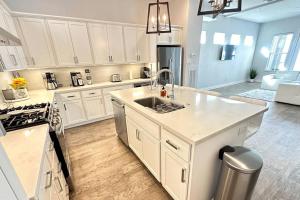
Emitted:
pixel 272 81
pixel 288 93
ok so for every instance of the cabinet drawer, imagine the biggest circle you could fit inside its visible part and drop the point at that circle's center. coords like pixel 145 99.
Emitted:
pixel 176 145
pixel 122 87
pixel 91 93
pixel 70 96
pixel 151 128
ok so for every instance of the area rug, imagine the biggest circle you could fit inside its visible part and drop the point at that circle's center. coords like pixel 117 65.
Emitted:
pixel 266 95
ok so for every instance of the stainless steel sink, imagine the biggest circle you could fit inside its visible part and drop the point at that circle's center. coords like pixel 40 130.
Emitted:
pixel 159 105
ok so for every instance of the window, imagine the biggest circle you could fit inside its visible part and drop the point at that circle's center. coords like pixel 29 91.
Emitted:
pixel 219 38
pixel 203 37
pixel 279 52
pixel 297 63
pixel 235 39
pixel 248 41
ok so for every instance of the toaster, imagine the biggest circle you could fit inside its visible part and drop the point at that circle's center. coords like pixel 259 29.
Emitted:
pixel 116 78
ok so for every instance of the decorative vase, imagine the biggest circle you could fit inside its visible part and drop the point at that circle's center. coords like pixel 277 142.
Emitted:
pixel 21 93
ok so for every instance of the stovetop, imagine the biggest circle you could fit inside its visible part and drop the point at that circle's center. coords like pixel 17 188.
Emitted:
pixel 24 116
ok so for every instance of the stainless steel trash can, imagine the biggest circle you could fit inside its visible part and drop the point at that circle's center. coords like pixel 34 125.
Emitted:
pixel 240 170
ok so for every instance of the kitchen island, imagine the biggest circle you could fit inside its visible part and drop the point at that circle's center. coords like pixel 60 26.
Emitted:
pixel 180 148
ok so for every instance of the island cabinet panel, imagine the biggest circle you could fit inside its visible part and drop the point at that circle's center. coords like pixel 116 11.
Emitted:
pixel 6 192
pixel 174 174
pixel 145 146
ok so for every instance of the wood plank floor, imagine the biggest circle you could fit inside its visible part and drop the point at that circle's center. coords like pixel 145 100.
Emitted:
pixel 104 169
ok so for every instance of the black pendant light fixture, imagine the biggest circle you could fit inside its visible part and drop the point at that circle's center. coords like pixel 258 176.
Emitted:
pixel 215 7
pixel 158 20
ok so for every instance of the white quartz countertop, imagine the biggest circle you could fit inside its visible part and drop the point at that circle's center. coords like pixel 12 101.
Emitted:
pixel 25 150
pixel 202 117
pixel 44 96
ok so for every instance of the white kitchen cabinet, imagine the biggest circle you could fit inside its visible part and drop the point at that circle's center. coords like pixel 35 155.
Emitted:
pixel 130 34
pixel 99 40
pixel 62 42
pixel 3 23
pixel 134 138
pixel 94 107
pixel 6 60
pixel 136 45
pixel 152 48
pixel 142 45
pixel 174 174
pixel 45 186
pixel 81 43
pixel 74 111
pixel 151 153
pixel 6 192
pixel 17 57
pixel 116 44
pixel 108 105
pixel 37 42
pixel 173 38
pixel 11 27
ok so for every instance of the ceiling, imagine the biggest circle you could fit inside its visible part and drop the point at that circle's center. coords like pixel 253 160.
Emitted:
pixel 262 11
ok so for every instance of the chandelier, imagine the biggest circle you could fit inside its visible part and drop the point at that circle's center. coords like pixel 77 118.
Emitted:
pixel 158 20
pixel 215 7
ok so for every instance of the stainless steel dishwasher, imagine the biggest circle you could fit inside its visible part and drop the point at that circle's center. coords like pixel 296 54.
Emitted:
pixel 120 120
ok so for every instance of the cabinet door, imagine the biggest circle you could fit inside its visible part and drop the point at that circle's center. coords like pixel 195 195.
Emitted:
pixel 134 138
pixel 6 192
pixel 74 111
pixel 62 42
pixel 99 40
pixel 3 23
pixel 37 42
pixel 151 153
pixel 94 107
pixel 116 43
pixel 142 45
pixel 164 38
pixel 174 174
pixel 6 59
pixel 176 36
pixel 130 34
pixel 108 105
pixel 46 183
pixel 10 23
pixel 12 52
pixel 22 57
pixel 153 47
pixel 81 43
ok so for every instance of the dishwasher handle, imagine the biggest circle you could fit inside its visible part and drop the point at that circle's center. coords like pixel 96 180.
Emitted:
pixel 117 103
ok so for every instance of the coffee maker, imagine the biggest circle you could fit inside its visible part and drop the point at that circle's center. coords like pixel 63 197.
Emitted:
pixel 145 72
pixel 50 81
pixel 76 78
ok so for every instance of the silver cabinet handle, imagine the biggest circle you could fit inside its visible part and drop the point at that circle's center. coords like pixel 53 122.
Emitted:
pixel 75 59
pixel 92 93
pixel 60 186
pixel 183 171
pixel 137 57
pixel 58 167
pixel 109 59
pixel 112 60
pixel 71 96
pixel 13 59
pixel 137 134
pixel 48 180
pixel 172 145
pixel 65 107
pixel 33 61
pixel 51 147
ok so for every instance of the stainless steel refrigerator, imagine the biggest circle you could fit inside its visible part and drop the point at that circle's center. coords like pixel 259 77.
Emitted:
pixel 170 57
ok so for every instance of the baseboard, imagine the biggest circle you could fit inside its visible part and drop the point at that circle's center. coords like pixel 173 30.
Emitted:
pixel 88 121
pixel 224 85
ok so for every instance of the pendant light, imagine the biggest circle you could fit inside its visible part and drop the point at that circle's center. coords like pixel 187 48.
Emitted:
pixel 158 20
pixel 215 7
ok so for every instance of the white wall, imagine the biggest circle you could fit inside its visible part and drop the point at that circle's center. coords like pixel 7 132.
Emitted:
pixel 267 31
pixel 99 74
pixel 213 72
pixel 130 11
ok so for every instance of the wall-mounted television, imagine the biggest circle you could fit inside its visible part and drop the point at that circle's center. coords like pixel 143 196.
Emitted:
pixel 228 52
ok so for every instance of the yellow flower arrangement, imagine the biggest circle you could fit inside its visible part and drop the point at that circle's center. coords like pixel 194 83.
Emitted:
pixel 18 83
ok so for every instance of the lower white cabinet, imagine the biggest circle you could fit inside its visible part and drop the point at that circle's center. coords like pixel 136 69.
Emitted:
pixel 6 192
pixel 174 174
pixel 108 105
pixel 74 111
pixel 146 147
pixel 94 107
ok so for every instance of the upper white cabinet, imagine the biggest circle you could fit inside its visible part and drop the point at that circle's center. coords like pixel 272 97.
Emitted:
pixel 37 42
pixel 170 38
pixel 136 44
pixel 3 23
pixel 116 44
pixel 11 27
pixel 12 58
pixel 81 43
pixel 62 42
pixel 71 43
pixel 99 40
